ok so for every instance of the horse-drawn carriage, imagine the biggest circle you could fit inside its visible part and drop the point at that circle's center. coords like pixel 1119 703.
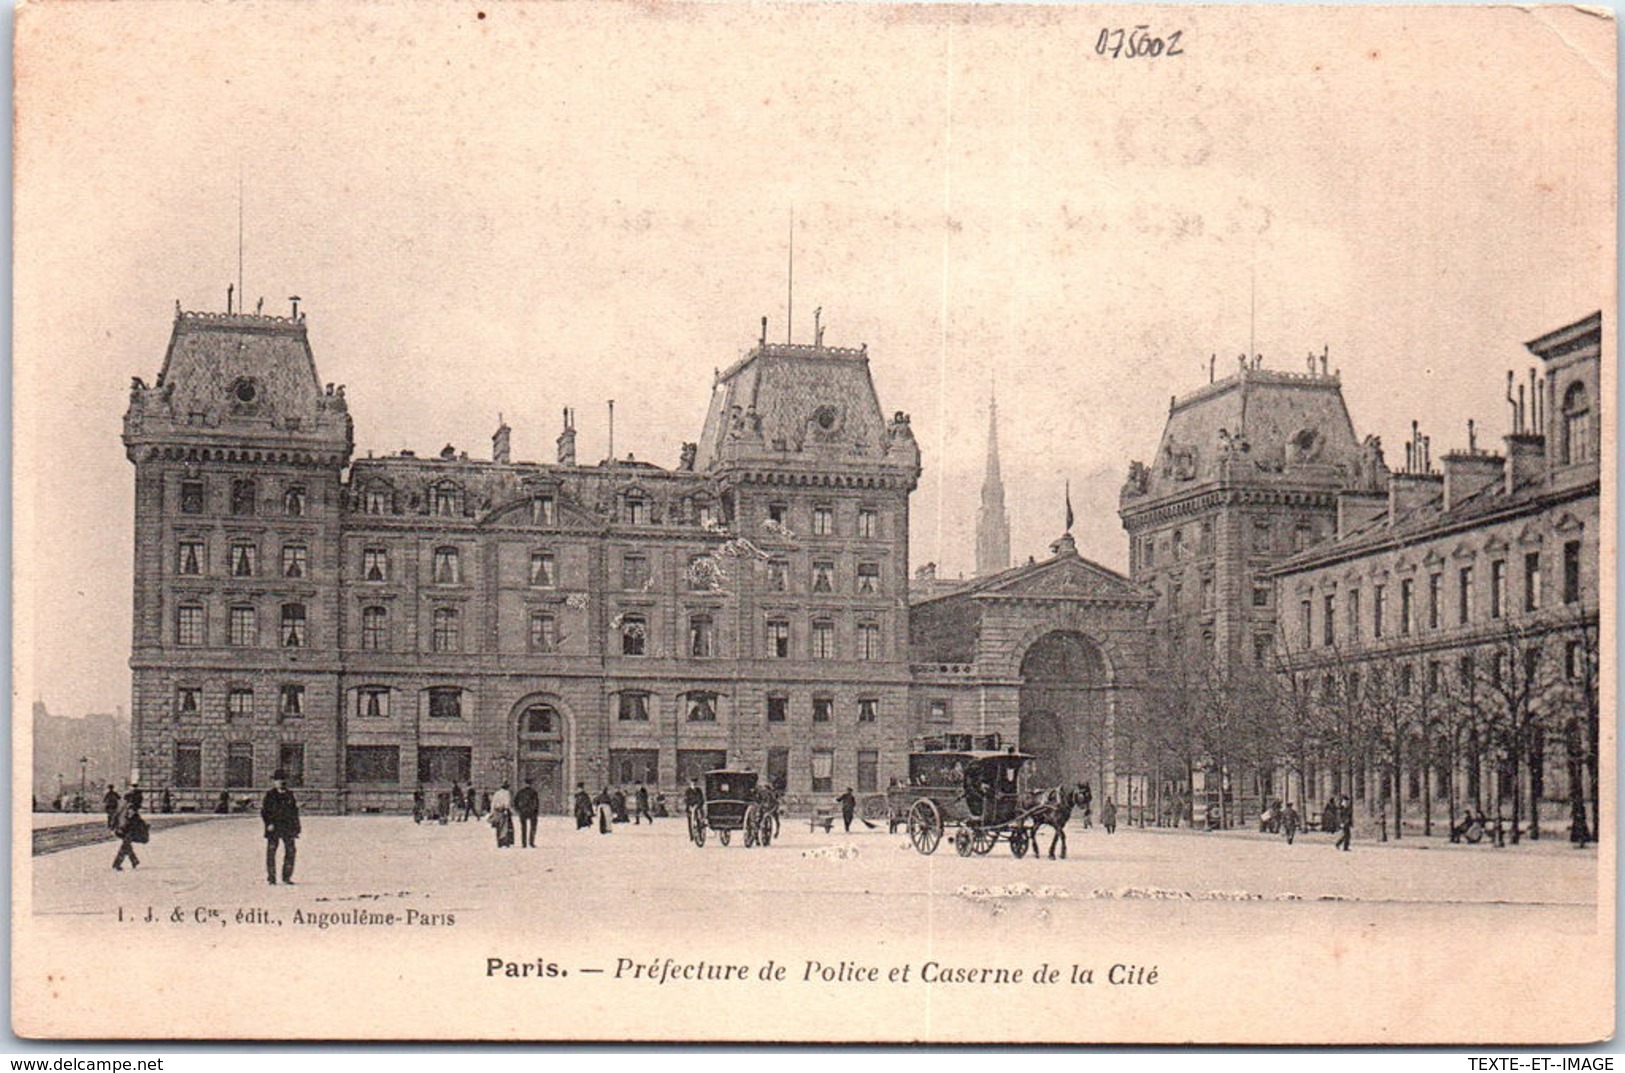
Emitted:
pixel 973 786
pixel 733 803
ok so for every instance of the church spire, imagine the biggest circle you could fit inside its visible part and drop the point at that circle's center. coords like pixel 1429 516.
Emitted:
pixel 992 523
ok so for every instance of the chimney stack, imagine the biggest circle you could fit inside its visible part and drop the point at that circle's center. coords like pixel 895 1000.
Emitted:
pixel 1466 473
pixel 567 439
pixel 1526 459
pixel 1355 509
pixel 500 442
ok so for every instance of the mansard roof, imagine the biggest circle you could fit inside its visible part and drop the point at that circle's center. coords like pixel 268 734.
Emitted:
pixel 802 404
pixel 1256 426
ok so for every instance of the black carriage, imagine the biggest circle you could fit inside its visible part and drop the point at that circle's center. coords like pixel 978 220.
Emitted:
pixel 733 802
pixel 977 792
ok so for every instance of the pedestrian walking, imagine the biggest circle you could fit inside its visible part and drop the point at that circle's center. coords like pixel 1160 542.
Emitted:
pixel 280 813
pixel 641 805
pixel 527 805
pixel 1345 820
pixel 1086 801
pixel 617 805
pixel 1289 822
pixel 457 802
pixel 110 804
pixel 501 816
pixel 166 803
pixel 1108 816
pixel 131 828
pixel 605 815
pixel 849 805
pixel 417 805
pixel 583 807
pixel 471 802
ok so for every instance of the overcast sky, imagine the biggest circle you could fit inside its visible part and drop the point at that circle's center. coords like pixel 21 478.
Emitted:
pixel 560 205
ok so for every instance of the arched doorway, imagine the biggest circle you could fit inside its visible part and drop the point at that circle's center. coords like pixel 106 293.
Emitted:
pixel 541 753
pixel 1064 713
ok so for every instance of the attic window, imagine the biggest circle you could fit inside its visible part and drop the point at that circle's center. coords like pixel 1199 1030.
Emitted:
pixel 245 391
pixel 825 416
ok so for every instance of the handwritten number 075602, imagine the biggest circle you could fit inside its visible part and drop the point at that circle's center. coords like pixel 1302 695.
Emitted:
pixel 1136 43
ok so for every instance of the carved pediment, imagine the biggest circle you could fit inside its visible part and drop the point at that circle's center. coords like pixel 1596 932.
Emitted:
pixel 1068 578
pixel 1530 534
pixel 1568 523
pixel 1433 558
pixel 1464 552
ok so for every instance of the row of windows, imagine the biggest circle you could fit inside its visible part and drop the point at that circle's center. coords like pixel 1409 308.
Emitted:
pixel 240 702
pixel 242 626
pixel 242 559
pixel 1430 612
pixel 636 572
pixel 633 706
pixel 187 770
pixel 447 499
pixel 823 520
pixel 1474 674
pixel 244 500
pixel 1269 535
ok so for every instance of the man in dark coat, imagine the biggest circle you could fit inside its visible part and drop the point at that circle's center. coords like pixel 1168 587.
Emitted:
pixel 693 796
pixel 457 802
pixel 583 807
pixel 640 806
pixel 281 815
pixel 617 804
pixel 849 805
pixel 605 816
pixel 527 805
pixel 110 804
pixel 1345 822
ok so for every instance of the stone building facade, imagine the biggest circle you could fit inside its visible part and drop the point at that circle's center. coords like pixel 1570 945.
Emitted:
pixel 1051 655
pixel 1462 607
pixel 371 625
pixel 1247 473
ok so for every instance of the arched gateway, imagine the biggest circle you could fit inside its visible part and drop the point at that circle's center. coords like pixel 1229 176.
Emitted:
pixel 1065 716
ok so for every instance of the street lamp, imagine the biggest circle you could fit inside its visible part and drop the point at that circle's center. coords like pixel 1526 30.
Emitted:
pixel 83 762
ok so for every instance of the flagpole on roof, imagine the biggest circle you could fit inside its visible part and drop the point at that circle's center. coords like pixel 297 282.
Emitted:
pixel 1069 504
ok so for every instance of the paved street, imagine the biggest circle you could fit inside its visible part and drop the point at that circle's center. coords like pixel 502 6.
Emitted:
pixel 1227 918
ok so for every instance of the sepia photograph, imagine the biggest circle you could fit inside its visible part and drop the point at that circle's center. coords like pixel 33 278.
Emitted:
pixel 814 523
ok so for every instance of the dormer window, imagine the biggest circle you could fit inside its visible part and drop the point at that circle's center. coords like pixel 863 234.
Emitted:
pixel 543 511
pixel 637 509
pixel 705 513
pixel 378 500
pixel 445 501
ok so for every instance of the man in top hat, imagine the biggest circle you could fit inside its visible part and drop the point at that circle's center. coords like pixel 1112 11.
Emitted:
pixel 281 815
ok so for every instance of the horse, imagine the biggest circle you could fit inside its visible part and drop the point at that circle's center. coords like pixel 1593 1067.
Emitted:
pixel 1054 812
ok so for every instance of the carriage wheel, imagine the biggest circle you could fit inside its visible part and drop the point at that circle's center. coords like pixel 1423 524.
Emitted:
pixel 696 827
pixel 924 826
pixel 723 836
pixel 753 822
pixel 962 842
pixel 1018 842
pixel 983 840
pixel 768 825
